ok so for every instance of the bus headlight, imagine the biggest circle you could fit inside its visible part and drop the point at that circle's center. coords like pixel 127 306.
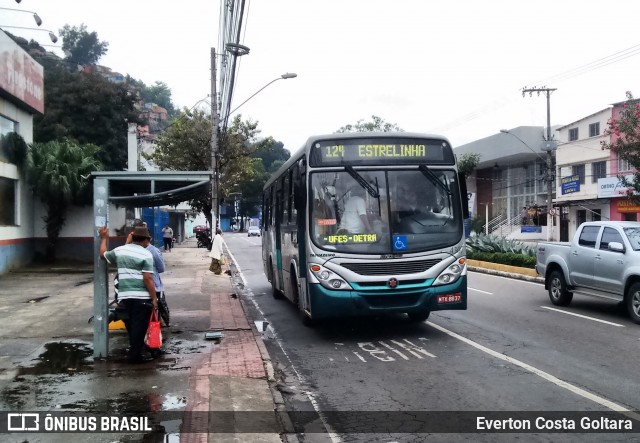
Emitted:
pixel 329 279
pixel 451 274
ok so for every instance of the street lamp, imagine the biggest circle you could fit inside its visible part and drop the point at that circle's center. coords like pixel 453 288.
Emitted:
pixel 282 77
pixel 52 36
pixel 549 146
pixel 36 17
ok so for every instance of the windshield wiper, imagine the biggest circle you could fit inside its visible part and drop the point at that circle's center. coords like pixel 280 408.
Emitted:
pixel 432 177
pixel 360 179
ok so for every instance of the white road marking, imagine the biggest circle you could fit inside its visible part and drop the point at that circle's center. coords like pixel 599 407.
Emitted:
pixel 360 357
pixel 394 350
pixel 583 316
pixel 480 290
pixel 561 383
pixel 411 348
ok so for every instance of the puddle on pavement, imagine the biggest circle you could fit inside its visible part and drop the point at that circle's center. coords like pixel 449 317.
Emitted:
pixel 36 300
pixel 84 282
pixel 60 358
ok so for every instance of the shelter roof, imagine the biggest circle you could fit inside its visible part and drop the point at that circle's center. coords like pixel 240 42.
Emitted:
pixel 155 188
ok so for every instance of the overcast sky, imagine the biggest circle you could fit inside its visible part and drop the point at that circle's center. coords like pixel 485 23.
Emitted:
pixel 455 67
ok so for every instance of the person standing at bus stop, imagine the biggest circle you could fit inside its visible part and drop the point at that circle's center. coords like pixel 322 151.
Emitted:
pixel 136 289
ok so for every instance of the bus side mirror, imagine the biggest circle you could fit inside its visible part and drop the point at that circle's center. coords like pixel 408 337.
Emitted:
pixel 299 188
pixel 464 196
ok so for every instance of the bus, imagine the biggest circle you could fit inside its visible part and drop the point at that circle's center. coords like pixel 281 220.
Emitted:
pixel 367 223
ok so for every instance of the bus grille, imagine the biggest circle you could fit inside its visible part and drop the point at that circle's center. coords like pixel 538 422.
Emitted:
pixel 391 268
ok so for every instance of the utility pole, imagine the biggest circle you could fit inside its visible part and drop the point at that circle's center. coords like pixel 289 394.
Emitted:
pixel 549 146
pixel 214 146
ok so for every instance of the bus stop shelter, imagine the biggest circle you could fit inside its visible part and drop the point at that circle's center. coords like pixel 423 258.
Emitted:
pixel 131 189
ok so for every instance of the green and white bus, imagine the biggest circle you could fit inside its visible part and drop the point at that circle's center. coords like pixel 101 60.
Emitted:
pixel 367 223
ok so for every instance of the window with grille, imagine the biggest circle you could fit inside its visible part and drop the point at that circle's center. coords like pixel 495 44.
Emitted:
pixel 578 170
pixel 8 188
pixel 573 134
pixel 594 129
pixel 598 170
pixel 623 165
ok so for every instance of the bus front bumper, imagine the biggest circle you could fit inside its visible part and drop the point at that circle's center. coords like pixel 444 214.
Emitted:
pixel 326 303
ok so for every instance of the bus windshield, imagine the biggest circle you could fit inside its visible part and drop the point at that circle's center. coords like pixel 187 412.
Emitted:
pixel 385 212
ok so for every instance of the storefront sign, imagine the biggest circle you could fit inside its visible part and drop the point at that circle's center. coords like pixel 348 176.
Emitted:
pixel 625 206
pixel 21 77
pixel 570 184
pixel 612 187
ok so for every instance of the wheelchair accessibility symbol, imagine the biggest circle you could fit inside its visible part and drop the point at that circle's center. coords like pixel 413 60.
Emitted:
pixel 399 242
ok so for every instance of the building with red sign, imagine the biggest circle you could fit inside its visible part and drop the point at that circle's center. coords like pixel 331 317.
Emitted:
pixel 21 96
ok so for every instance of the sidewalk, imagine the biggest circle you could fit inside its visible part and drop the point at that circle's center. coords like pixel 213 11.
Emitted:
pixel 200 390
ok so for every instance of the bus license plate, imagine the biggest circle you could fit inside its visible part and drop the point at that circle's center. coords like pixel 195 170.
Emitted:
pixel 450 298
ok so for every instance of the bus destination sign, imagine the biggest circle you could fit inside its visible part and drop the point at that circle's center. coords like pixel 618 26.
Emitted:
pixel 349 238
pixel 361 152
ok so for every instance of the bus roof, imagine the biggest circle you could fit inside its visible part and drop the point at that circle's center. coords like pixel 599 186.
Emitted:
pixel 345 135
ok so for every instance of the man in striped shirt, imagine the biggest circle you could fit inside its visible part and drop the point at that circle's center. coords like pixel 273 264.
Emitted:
pixel 136 289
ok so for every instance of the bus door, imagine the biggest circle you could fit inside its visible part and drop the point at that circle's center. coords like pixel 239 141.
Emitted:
pixel 278 233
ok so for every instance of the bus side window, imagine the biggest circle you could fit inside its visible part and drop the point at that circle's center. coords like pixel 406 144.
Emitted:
pixel 293 212
pixel 285 198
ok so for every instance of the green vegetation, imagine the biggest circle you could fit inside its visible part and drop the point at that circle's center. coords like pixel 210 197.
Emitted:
pixel 59 173
pixel 377 124
pixel 501 250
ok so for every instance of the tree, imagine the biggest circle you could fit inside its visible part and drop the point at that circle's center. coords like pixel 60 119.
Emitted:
pixel 377 124
pixel 267 158
pixel 468 162
pixel 160 94
pixel 186 146
pixel 59 173
pixel 84 46
pixel 88 109
pixel 272 155
pixel 625 141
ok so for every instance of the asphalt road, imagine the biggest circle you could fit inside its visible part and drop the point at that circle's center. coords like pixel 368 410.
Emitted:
pixel 511 355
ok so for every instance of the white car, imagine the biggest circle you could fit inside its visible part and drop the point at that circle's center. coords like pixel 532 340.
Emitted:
pixel 253 230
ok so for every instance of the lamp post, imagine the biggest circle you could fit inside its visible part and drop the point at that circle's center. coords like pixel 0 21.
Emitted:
pixel 284 76
pixel 52 36
pixel 36 17
pixel 549 146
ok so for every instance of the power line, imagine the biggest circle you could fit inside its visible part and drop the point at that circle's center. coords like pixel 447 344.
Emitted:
pixel 505 100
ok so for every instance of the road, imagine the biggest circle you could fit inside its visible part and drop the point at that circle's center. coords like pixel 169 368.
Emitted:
pixel 511 352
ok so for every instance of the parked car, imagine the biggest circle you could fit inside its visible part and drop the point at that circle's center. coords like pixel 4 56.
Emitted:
pixel 253 230
pixel 602 260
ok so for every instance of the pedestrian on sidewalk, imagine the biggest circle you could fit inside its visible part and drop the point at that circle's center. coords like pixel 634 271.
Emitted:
pixel 216 254
pixel 167 237
pixel 136 294
pixel 524 215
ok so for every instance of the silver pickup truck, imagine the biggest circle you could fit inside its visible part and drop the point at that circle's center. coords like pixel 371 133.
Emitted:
pixel 602 260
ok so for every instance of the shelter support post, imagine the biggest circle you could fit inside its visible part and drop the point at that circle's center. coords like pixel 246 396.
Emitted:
pixel 100 274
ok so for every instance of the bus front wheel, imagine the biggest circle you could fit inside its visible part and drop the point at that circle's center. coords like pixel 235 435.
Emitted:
pixel 277 294
pixel 295 290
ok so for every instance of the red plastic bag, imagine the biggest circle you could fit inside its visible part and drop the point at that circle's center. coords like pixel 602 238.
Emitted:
pixel 153 339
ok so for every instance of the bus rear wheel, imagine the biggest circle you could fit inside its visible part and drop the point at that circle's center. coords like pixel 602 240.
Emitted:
pixel 418 317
